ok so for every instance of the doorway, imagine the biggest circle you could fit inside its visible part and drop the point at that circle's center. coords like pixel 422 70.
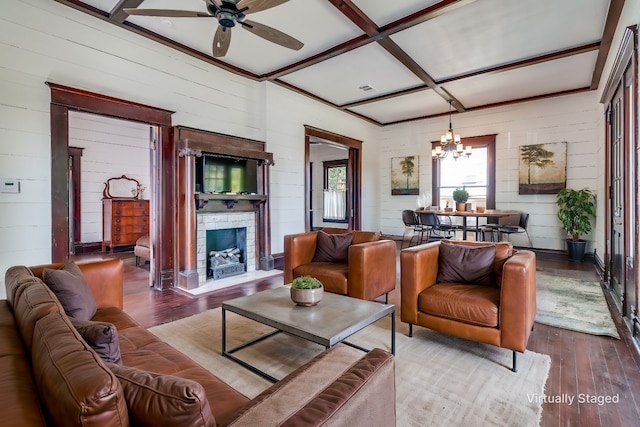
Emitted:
pixel 65 99
pixel 339 148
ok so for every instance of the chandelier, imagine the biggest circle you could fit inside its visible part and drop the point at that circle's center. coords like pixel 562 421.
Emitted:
pixel 450 143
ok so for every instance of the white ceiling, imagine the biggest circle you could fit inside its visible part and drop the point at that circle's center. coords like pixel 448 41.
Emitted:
pixel 416 55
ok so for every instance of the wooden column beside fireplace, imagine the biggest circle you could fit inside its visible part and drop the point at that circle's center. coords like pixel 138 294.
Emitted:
pixel 193 145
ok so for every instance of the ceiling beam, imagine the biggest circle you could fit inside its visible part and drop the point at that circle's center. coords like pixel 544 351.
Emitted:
pixel 118 14
pixel 613 16
pixel 525 62
pixel 421 16
pixel 366 24
pixel 496 104
pixel 499 68
pixel 319 57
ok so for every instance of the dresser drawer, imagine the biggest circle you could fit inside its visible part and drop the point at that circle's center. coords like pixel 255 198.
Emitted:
pixel 130 229
pixel 131 220
pixel 130 211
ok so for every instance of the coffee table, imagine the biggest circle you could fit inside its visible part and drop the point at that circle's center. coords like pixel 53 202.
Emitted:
pixel 328 323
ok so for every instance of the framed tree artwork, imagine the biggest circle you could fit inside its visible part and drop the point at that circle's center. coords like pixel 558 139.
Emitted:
pixel 405 175
pixel 543 168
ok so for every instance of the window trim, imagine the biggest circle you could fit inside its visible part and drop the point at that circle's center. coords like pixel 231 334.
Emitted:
pixel 326 165
pixel 488 141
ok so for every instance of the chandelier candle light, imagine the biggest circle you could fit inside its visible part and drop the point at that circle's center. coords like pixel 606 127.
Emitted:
pixel 450 143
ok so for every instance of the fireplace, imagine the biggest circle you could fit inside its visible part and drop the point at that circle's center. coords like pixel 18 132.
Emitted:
pixel 226 252
pixel 219 231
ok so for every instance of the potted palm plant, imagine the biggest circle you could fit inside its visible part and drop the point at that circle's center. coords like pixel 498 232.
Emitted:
pixel 306 291
pixel 576 208
pixel 460 196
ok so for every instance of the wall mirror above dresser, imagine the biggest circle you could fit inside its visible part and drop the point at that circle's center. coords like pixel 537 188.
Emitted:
pixel 122 187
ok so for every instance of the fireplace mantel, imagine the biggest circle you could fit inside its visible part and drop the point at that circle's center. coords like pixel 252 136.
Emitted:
pixel 190 144
pixel 252 201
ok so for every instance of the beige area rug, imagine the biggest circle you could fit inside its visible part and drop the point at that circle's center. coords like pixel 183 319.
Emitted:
pixel 440 380
pixel 573 304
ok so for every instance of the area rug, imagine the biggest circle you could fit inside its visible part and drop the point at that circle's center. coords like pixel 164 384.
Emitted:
pixel 440 380
pixel 578 305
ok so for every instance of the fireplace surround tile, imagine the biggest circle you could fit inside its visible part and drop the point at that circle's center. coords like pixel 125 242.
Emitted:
pixel 218 221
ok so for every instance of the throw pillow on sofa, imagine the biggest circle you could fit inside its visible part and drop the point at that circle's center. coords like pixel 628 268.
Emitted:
pixel 158 400
pixel 332 247
pixel 466 264
pixel 71 289
pixel 102 337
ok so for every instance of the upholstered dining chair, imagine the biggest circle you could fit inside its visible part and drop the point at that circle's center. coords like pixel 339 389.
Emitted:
pixel 479 291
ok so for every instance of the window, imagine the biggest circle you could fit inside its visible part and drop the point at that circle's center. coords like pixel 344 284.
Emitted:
pixel 475 173
pixel 335 191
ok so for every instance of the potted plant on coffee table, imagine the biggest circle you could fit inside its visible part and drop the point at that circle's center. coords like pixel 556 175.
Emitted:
pixel 306 291
pixel 576 208
pixel 460 196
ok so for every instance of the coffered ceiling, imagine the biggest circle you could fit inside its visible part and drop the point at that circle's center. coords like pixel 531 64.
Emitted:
pixel 394 61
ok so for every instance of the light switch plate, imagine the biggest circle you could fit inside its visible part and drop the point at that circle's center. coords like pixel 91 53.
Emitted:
pixel 9 185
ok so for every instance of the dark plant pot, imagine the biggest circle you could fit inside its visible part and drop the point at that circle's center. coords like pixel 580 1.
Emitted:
pixel 576 249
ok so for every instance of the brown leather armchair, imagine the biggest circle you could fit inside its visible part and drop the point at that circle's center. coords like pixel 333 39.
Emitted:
pixel 369 273
pixel 501 315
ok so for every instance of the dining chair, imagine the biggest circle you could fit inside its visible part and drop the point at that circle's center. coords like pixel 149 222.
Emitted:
pixel 433 228
pixel 516 229
pixel 412 225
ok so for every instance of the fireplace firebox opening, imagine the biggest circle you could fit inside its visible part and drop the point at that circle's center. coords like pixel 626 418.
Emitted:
pixel 226 252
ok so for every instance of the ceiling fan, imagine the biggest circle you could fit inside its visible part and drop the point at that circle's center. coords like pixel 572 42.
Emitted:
pixel 229 13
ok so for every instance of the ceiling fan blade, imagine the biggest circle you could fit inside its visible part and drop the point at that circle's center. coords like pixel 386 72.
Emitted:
pixel 271 34
pixel 221 41
pixel 259 5
pixel 169 13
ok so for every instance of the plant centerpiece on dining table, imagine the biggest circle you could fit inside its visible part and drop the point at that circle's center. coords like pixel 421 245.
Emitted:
pixel 576 208
pixel 306 291
pixel 460 196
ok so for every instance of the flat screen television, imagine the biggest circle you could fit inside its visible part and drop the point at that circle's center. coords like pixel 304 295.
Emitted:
pixel 216 174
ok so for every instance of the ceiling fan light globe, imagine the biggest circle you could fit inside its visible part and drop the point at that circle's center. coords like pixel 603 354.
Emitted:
pixel 226 19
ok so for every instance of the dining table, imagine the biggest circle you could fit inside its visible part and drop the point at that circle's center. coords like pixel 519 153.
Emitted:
pixel 487 213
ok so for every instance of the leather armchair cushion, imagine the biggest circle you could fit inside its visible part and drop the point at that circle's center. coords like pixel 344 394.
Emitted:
pixel 102 337
pixel 332 247
pixel 334 276
pixel 158 400
pixel 71 289
pixel 474 304
pixel 466 264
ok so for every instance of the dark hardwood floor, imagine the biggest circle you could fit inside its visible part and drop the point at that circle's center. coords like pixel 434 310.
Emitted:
pixel 582 366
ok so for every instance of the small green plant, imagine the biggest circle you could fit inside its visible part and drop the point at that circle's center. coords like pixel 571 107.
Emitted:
pixel 460 195
pixel 306 282
pixel 576 208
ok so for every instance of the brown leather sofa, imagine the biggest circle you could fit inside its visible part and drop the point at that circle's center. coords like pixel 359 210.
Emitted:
pixel 50 375
pixel 501 314
pixel 369 273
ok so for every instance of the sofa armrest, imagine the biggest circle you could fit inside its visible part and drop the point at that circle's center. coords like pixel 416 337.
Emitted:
pixel 418 271
pixel 341 386
pixel 299 249
pixel 372 269
pixel 518 299
pixel 104 277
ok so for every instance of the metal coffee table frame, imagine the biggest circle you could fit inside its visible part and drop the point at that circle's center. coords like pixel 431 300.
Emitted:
pixel 332 321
